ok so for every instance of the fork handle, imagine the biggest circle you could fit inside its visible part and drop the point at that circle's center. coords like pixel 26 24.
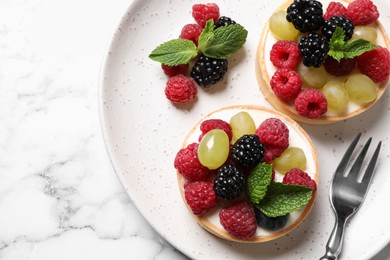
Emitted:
pixel 333 247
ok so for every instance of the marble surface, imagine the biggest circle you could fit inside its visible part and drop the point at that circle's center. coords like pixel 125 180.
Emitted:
pixel 59 195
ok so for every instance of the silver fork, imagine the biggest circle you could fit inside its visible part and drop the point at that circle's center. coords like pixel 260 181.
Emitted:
pixel 347 193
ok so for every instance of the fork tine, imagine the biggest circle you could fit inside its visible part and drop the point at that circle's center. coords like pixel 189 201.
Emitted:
pixel 371 166
pixel 355 169
pixel 344 161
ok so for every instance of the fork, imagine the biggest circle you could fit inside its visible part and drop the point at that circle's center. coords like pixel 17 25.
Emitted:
pixel 347 193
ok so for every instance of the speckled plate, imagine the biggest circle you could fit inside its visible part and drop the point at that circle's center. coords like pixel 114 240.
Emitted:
pixel 143 131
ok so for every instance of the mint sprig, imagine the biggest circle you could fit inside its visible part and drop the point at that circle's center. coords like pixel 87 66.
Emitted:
pixel 258 181
pixel 218 44
pixel 282 199
pixel 340 49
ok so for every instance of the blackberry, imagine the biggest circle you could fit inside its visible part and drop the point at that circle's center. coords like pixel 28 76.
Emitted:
pixel 229 183
pixel 270 223
pixel 248 151
pixel 338 21
pixel 314 49
pixel 208 71
pixel 305 15
pixel 223 21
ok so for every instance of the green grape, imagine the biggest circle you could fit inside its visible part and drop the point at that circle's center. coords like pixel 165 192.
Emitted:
pixel 365 32
pixel 361 89
pixel 292 157
pixel 213 149
pixel 336 95
pixel 281 28
pixel 312 77
pixel 242 123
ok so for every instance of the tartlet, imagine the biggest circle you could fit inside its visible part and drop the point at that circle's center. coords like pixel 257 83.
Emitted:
pixel 298 137
pixel 265 70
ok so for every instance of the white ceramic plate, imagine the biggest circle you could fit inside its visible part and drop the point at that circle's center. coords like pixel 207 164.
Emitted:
pixel 143 131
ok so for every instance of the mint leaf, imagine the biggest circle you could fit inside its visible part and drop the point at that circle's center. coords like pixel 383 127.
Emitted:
pixel 225 41
pixel 174 52
pixel 339 49
pixel 206 35
pixel 283 198
pixel 258 181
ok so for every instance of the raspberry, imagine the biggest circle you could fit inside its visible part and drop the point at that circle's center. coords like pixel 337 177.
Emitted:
pixel 342 68
pixel 362 12
pixel 171 71
pixel 204 12
pixel 298 177
pixel 286 84
pixel 180 89
pixel 191 32
pixel 200 196
pixel 274 134
pixel 211 124
pixel 285 54
pixel 239 220
pixel 248 151
pixel 188 165
pixel 229 183
pixel 335 9
pixel 375 64
pixel 311 103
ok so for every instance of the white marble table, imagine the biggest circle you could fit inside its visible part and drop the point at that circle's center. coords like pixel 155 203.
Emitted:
pixel 59 195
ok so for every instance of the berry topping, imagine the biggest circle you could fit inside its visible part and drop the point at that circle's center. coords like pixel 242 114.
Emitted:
pixel 171 71
pixel 180 89
pixel 208 71
pixel 229 183
pixel 270 223
pixel 248 151
pixel 362 12
pixel 375 64
pixel 200 196
pixel 305 15
pixel 188 165
pixel 338 21
pixel 285 54
pixel 286 84
pixel 223 21
pixel 342 68
pixel 314 49
pixel 191 32
pixel 298 177
pixel 239 220
pixel 204 12
pixel 335 9
pixel 274 134
pixel 211 124
pixel 311 103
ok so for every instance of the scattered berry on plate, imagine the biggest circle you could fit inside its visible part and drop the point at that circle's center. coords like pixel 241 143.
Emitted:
pixel 204 12
pixel 209 71
pixel 200 196
pixel 206 59
pixel 191 32
pixel 239 220
pixel 180 89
